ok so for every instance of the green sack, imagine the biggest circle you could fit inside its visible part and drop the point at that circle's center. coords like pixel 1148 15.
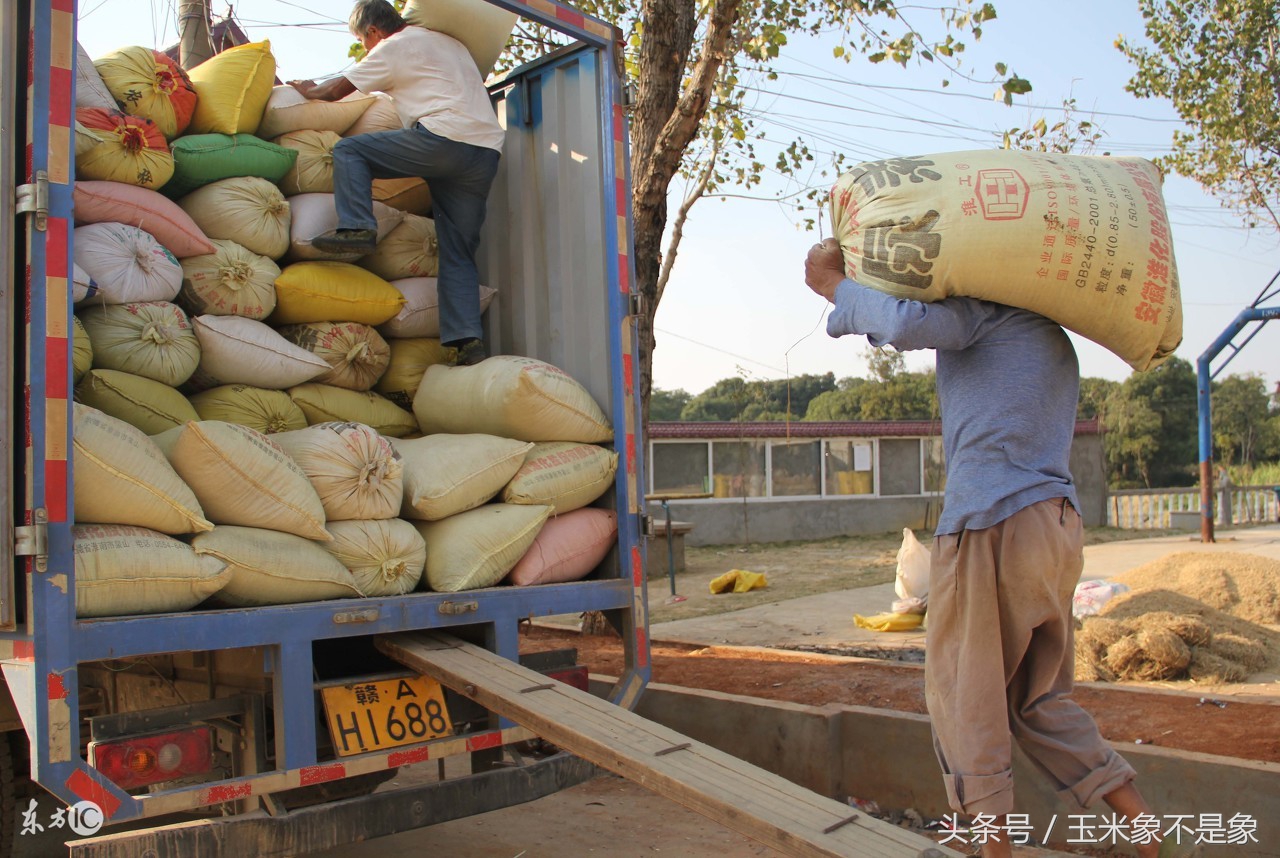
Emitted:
pixel 199 159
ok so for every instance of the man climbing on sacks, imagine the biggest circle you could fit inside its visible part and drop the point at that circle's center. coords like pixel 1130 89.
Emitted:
pixel 451 138
pixel 1007 553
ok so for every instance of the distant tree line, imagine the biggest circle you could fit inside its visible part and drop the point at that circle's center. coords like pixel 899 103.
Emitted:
pixel 1149 420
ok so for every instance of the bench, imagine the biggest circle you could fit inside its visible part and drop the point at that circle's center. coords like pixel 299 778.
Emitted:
pixel 657 546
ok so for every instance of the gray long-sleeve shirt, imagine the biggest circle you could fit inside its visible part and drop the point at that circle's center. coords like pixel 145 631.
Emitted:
pixel 1008 383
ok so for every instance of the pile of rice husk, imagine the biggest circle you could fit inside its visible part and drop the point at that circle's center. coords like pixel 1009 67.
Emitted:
pixel 1158 634
pixel 1244 585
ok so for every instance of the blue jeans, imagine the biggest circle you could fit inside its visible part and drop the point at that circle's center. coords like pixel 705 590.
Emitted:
pixel 459 175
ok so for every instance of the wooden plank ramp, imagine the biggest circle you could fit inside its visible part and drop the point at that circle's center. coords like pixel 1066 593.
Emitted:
pixel 748 799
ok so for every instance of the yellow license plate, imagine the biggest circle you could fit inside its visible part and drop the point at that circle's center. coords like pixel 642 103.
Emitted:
pixel 386 713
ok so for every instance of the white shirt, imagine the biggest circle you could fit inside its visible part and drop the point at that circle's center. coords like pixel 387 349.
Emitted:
pixel 432 79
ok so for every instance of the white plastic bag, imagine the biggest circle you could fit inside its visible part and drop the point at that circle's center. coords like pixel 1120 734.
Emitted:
pixel 1090 596
pixel 912 581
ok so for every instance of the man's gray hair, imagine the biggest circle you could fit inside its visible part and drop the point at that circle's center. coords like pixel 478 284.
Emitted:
pixel 374 13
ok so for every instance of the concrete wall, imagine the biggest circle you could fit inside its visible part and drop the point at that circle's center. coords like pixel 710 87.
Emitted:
pixel 727 522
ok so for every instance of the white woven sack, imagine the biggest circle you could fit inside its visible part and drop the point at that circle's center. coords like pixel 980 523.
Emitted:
pixel 357 356
pixel 247 210
pixel 409 250
pixel 273 568
pixel 122 477
pixel 479 547
pixel 235 350
pixel 122 570
pixel 244 477
pixel 312 170
pixel 448 474
pixel 380 116
pixel 419 316
pixel 231 281
pixel 288 110
pixel 316 214
pixel 355 471
pixel 126 263
pixel 482 27
pixel 409 360
pixel 386 556
pixel 512 397
pixel 90 90
pixel 152 339
pixel 82 285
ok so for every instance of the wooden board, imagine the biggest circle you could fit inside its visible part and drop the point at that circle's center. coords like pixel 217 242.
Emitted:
pixel 748 799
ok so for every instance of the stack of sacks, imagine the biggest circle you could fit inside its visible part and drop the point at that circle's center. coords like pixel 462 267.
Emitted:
pixel 523 433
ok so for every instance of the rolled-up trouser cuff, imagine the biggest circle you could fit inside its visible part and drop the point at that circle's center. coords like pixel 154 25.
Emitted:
pixel 1115 773
pixel 974 794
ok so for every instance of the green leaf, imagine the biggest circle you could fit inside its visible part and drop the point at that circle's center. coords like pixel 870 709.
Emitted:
pixel 1001 69
pixel 1017 86
pixel 877 57
pixel 837 51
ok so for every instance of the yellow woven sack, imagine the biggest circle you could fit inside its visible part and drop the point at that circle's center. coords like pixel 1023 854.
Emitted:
pixel 232 89
pixel 153 339
pixel 248 210
pixel 1081 240
pixel 357 356
pixel 386 556
pixel 409 250
pixel 267 411
pixel 82 352
pixel 231 281
pixel 408 360
pixel 411 195
pixel 329 291
pixel 312 171
pixel 324 403
pixel 356 471
pixel 448 474
pixel 563 474
pixel 122 570
pixel 122 477
pixel 147 404
pixel 479 547
pixel 273 568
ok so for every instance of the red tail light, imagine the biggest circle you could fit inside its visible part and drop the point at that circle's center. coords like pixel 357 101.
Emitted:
pixel 141 760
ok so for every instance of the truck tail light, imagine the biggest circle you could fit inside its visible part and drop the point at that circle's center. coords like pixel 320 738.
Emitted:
pixel 141 760
pixel 575 676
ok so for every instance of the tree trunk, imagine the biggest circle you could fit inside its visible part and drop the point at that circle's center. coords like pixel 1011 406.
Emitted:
pixel 195 45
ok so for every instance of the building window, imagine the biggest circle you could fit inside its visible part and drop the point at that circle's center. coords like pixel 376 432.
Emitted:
pixel 900 466
pixel 738 468
pixel 850 468
pixel 796 468
pixel 681 467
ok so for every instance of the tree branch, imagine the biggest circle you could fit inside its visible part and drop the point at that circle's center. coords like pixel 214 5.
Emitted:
pixel 677 229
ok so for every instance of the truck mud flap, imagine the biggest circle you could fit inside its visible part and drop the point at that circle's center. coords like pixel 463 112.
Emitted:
pixel 326 826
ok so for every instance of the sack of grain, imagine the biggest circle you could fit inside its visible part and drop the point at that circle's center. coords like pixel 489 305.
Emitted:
pixel 355 471
pixel 386 556
pixel 123 570
pixel 273 568
pixel 1082 240
pixel 115 147
pixel 233 88
pixel 479 547
pixel 420 315
pixel 482 27
pixel 149 405
pixel 312 171
pixel 564 475
pixel 324 403
pixel 160 217
pixel 409 250
pixel 127 264
pixel 249 211
pixel 381 115
pixel 81 350
pixel 235 350
pixel 90 90
pixel 355 354
pixel 568 548
pixel 448 474
pixel 201 159
pixel 512 397
pixel 324 291
pixel 121 477
pixel 267 411
pixel 243 477
pixel 288 111
pixel 407 361
pixel 411 196
pixel 83 286
pixel 316 214
pixel 149 84
pixel 230 281
pixel 152 339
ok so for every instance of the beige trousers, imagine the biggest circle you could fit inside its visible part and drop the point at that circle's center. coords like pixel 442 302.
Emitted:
pixel 1001 661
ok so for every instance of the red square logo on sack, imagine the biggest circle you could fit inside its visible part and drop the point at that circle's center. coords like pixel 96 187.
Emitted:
pixel 1002 194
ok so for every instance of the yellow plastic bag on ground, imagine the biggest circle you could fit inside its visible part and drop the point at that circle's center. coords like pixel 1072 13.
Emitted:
pixel 889 622
pixel 738 581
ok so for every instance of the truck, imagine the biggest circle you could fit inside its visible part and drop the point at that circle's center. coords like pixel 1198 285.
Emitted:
pixel 226 715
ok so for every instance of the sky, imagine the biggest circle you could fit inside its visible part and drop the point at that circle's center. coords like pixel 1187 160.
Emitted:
pixel 736 304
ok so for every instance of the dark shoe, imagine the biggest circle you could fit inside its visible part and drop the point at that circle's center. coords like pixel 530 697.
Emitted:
pixel 350 241
pixel 469 353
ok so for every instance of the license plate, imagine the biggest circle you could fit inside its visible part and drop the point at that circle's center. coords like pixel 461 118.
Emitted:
pixel 385 713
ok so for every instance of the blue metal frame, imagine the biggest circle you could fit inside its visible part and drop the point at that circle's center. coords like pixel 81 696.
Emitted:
pixel 61 641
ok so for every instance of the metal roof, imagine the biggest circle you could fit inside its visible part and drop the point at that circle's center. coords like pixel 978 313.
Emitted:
pixel 818 429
